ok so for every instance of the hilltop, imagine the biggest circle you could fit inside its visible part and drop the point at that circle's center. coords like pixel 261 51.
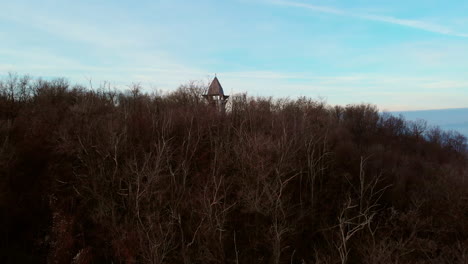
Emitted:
pixel 102 176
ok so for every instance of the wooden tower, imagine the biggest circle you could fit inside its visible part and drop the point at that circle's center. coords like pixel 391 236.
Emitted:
pixel 215 96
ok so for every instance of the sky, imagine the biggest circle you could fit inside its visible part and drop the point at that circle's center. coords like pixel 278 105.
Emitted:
pixel 398 55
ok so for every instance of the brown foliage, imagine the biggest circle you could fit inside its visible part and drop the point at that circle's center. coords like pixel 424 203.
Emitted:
pixel 92 176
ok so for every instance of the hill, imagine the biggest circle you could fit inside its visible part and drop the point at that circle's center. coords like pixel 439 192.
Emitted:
pixel 100 176
pixel 447 119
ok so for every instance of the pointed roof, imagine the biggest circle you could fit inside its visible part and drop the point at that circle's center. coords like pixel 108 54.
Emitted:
pixel 215 88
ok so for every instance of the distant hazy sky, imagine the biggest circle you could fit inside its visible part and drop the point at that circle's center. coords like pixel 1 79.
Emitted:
pixel 396 54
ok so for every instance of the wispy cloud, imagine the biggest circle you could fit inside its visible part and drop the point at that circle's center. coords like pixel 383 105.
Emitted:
pixel 415 24
pixel 411 23
pixel 79 31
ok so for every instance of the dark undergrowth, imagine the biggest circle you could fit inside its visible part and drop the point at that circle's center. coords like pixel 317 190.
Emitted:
pixel 99 176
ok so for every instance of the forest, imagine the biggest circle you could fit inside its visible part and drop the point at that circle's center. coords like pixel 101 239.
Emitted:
pixel 102 175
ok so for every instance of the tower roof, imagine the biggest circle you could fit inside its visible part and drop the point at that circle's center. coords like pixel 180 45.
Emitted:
pixel 215 88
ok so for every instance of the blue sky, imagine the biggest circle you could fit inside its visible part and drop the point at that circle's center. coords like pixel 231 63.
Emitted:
pixel 399 55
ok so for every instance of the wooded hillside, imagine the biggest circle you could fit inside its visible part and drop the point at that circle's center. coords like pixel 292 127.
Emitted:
pixel 100 176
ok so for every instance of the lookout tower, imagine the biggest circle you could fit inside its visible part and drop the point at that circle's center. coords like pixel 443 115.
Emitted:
pixel 215 95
